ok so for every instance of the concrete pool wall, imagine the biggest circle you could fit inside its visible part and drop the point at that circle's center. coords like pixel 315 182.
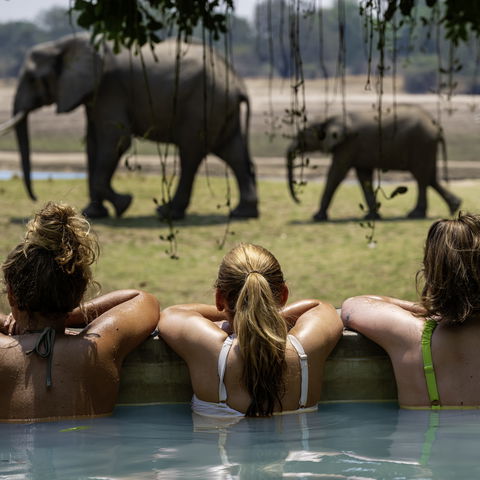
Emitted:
pixel 357 370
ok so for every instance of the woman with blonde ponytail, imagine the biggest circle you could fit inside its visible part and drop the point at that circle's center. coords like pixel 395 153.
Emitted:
pixel 250 355
pixel 46 371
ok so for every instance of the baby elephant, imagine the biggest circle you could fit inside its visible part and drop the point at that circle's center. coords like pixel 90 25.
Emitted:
pixel 407 140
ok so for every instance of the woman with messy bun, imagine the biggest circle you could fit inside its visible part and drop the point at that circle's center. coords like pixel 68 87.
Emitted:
pixel 250 355
pixel 46 371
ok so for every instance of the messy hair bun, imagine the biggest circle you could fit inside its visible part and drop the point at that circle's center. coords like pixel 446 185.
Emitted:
pixel 50 270
pixel 59 229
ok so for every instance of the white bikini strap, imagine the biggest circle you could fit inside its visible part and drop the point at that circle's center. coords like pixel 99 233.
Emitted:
pixel 303 369
pixel 222 363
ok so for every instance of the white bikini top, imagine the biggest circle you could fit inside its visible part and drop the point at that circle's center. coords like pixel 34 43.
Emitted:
pixel 222 363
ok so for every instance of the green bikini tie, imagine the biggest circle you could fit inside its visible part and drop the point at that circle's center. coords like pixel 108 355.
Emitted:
pixel 428 364
pixel 44 348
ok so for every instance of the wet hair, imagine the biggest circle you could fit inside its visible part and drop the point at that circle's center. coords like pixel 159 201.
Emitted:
pixel 451 269
pixel 251 281
pixel 49 271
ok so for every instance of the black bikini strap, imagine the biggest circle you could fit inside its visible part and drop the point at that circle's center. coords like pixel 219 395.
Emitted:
pixel 44 348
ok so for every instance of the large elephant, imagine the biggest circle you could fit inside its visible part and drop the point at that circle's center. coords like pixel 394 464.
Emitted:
pixel 408 140
pixel 182 94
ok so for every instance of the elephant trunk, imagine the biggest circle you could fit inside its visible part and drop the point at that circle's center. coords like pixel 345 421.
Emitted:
pixel 21 131
pixel 291 155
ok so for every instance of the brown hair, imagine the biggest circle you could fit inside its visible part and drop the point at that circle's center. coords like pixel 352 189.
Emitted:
pixel 49 271
pixel 451 269
pixel 251 280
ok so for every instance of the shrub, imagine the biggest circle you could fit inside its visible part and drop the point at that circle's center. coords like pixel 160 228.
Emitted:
pixel 421 75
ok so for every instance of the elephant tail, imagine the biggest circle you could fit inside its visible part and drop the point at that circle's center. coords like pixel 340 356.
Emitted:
pixel 243 98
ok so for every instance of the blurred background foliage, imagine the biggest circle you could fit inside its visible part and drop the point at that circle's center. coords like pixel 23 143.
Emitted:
pixel 432 45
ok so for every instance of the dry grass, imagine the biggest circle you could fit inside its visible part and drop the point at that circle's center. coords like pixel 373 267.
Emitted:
pixel 459 116
pixel 329 260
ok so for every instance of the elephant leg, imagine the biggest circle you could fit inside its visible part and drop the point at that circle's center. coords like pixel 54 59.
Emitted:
pixel 95 209
pixel 337 172
pixel 420 210
pixel 190 159
pixel 235 153
pixel 365 177
pixel 104 151
pixel 452 200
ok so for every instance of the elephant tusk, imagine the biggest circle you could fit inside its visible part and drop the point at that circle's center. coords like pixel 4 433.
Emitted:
pixel 9 124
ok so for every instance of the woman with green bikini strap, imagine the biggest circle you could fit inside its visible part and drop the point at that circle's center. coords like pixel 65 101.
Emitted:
pixel 46 371
pixel 433 344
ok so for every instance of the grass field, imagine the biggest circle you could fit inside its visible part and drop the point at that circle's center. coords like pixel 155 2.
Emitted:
pixel 329 260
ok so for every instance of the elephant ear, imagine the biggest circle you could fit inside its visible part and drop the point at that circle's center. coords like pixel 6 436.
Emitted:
pixel 42 59
pixel 80 70
pixel 336 130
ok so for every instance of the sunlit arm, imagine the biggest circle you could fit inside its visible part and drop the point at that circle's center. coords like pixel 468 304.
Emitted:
pixel 412 307
pixel 209 312
pixel 293 311
pixel 384 320
pixel 92 309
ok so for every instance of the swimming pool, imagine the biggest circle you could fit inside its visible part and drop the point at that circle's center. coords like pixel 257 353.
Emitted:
pixel 348 441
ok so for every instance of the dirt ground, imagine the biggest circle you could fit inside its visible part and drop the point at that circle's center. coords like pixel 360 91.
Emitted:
pixel 460 117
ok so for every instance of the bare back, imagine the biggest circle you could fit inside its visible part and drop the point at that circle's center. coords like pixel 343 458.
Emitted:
pixel 192 333
pixel 84 379
pixel 238 397
pixel 454 351
pixel 85 366
pixel 455 361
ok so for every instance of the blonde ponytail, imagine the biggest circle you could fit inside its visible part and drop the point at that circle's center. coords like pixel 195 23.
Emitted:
pixel 252 282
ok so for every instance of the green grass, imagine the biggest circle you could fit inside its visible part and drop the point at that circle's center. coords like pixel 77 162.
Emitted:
pixel 326 260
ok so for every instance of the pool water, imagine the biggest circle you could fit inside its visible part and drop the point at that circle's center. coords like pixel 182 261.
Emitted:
pixel 347 441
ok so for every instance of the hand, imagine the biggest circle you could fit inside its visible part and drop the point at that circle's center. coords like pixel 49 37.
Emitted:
pixel 225 326
pixel 9 325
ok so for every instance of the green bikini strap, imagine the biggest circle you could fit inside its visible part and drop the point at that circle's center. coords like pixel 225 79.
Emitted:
pixel 428 363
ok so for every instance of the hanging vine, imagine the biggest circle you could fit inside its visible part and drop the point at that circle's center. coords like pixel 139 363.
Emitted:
pixel 321 57
pixel 271 60
pixel 136 23
pixel 296 115
pixel 228 200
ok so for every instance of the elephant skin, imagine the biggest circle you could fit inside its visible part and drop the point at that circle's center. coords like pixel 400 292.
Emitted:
pixel 186 95
pixel 408 141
